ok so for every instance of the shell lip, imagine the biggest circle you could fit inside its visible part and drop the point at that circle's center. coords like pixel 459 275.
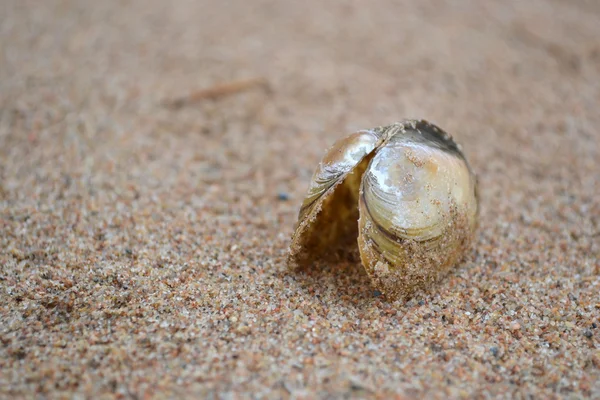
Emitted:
pixel 322 193
pixel 338 171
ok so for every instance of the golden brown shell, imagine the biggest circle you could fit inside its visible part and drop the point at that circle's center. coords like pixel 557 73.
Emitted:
pixel 413 194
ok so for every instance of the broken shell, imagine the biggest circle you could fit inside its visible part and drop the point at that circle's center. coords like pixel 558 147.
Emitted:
pixel 413 194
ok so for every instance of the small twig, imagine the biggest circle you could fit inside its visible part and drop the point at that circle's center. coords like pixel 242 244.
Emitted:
pixel 216 92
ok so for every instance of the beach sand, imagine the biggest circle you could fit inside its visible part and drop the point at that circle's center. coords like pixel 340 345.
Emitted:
pixel 154 155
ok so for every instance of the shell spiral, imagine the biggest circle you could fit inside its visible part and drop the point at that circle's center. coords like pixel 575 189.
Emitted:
pixel 417 205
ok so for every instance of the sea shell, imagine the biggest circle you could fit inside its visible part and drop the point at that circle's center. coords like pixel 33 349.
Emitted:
pixel 407 192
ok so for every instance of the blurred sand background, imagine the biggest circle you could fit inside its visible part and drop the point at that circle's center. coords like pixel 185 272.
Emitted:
pixel 142 247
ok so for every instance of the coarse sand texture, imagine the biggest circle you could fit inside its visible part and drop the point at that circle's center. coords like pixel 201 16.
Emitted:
pixel 154 156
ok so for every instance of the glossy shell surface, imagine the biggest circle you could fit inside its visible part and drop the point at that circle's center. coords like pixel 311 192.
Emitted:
pixel 407 192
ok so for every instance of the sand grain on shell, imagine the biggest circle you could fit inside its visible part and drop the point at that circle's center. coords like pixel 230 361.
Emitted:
pixel 142 247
